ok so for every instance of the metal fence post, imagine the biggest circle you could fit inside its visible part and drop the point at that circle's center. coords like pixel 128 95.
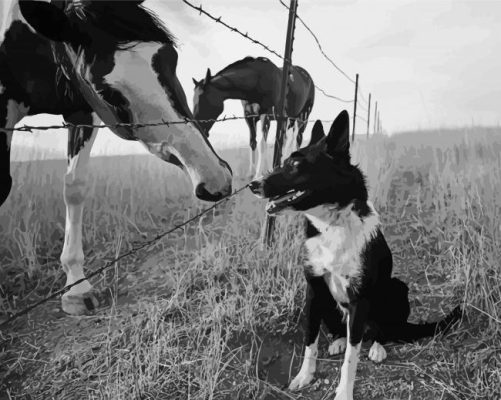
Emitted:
pixel 281 112
pixel 368 115
pixel 355 108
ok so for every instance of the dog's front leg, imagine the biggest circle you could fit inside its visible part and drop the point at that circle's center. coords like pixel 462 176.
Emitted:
pixel 357 316
pixel 313 318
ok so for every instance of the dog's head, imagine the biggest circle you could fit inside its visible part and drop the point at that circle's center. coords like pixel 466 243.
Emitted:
pixel 318 174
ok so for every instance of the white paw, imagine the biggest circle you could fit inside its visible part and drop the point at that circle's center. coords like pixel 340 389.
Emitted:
pixel 377 353
pixel 338 346
pixel 301 380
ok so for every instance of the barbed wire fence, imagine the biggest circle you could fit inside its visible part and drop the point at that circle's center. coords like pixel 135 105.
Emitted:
pixel 358 100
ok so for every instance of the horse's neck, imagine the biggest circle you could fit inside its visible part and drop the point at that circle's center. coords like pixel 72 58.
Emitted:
pixel 237 84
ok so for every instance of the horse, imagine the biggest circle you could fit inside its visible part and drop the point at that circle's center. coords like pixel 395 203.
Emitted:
pixel 256 82
pixel 92 61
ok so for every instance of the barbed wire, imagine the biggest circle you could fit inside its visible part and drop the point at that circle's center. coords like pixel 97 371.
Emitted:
pixel 255 41
pixel 362 96
pixel 332 96
pixel 232 28
pixel 109 264
pixel 32 128
pixel 362 106
pixel 320 46
pixel 361 118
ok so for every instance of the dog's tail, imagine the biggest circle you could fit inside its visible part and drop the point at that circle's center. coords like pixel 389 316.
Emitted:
pixel 410 332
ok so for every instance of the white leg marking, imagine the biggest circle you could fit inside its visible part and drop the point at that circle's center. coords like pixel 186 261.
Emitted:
pixel 308 367
pixel 252 164
pixel 75 189
pixel 344 389
pixel 337 346
pixel 377 353
pixel 262 159
pixel 290 141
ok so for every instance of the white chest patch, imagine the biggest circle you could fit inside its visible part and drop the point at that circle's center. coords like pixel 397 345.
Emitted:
pixel 335 252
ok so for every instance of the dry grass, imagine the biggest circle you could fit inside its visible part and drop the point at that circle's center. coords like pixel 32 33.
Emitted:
pixel 207 314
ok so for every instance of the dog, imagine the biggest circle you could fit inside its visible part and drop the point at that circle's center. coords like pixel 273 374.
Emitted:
pixel 348 263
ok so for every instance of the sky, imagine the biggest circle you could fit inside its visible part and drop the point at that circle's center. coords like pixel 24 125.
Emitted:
pixel 428 63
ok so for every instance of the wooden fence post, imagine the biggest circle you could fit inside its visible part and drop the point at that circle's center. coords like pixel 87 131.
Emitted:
pixel 374 125
pixel 368 115
pixel 281 112
pixel 355 109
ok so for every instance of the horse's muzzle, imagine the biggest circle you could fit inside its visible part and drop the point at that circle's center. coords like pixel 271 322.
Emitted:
pixel 203 194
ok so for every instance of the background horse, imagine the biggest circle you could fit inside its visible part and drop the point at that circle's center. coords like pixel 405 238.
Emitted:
pixel 106 59
pixel 257 82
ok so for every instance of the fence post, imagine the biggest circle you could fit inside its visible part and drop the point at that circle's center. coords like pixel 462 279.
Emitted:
pixel 378 123
pixel 281 112
pixel 355 108
pixel 368 115
pixel 374 125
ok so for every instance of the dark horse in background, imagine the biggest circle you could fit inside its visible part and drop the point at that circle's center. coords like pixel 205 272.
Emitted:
pixel 257 82
pixel 111 60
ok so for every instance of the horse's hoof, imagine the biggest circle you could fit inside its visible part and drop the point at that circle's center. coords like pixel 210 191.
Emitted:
pixel 81 304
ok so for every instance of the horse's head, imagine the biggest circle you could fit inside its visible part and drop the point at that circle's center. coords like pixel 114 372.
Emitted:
pixel 123 62
pixel 208 102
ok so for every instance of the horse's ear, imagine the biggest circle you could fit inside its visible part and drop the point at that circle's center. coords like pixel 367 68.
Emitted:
pixel 195 82
pixel 338 140
pixel 317 133
pixel 208 76
pixel 47 20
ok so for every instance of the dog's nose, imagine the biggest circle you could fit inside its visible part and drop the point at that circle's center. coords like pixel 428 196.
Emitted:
pixel 256 187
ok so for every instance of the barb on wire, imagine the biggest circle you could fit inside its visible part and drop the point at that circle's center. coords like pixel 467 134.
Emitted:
pixel 232 28
pixel 320 46
pixel 112 262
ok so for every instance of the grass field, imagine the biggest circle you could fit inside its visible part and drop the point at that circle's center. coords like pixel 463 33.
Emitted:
pixel 208 314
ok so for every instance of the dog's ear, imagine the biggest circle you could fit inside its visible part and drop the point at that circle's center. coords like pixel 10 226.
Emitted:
pixel 317 133
pixel 338 140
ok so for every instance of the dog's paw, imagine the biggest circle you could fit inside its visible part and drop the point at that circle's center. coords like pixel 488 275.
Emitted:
pixel 338 346
pixel 301 380
pixel 377 353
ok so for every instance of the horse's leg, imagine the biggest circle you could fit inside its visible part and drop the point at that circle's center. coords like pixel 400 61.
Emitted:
pixel 302 122
pixel 11 113
pixel 262 163
pixel 251 122
pixel 80 299
pixel 288 146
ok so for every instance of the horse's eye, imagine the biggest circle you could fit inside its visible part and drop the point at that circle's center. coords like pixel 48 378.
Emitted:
pixel 295 163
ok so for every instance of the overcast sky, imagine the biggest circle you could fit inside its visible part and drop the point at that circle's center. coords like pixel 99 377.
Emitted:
pixel 429 63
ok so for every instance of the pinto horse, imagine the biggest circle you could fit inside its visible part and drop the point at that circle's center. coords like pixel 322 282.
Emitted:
pixel 97 60
pixel 257 82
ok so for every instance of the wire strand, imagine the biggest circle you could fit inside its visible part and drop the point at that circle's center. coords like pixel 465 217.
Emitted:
pixel 320 46
pixel 112 262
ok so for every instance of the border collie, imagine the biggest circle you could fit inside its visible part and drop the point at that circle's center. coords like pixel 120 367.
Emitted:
pixel 348 262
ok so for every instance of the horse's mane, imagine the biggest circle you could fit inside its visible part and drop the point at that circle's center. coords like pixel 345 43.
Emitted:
pixel 124 21
pixel 238 63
